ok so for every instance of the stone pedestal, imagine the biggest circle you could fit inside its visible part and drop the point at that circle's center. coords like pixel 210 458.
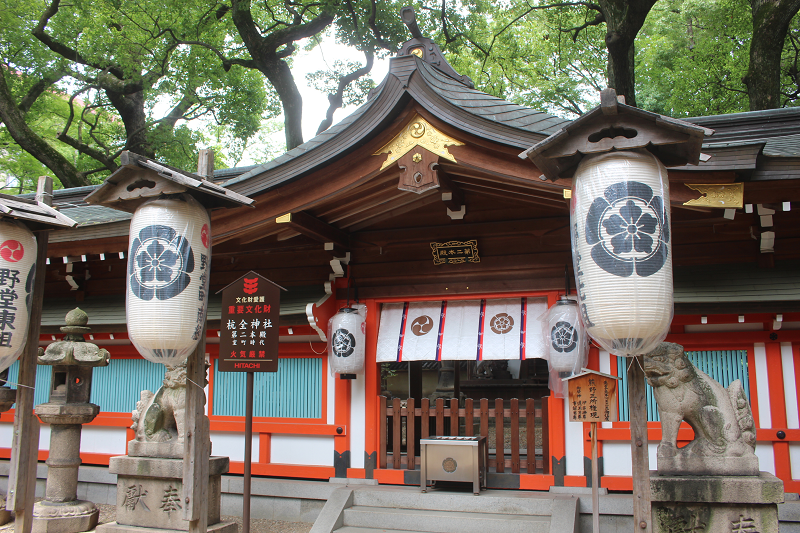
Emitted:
pixel 150 495
pixel 711 504
pixel 5 516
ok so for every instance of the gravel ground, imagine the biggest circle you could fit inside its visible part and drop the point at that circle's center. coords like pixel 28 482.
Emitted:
pixel 108 514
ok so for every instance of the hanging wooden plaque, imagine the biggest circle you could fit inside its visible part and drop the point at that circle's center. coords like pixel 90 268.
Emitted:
pixel 455 252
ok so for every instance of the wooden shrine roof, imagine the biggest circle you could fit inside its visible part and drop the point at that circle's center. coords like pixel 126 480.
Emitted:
pixel 36 215
pixel 450 101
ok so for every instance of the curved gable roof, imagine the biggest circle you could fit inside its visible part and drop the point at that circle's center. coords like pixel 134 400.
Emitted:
pixel 409 78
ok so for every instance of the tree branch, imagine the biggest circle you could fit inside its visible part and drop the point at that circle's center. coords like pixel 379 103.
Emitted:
pixel 32 143
pixel 38 89
pixel 62 49
pixel 95 154
pixel 336 98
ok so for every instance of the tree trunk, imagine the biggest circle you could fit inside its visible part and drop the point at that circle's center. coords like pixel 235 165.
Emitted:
pixel 279 74
pixel 131 109
pixel 624 19
pixel 771 19
pixel 14 121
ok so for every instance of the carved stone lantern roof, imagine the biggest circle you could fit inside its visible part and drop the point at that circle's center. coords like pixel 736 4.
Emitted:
pixel 613 126
pixel 74 350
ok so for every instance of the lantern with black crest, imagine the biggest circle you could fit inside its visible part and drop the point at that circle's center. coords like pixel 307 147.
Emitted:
pixel 346 338
pixel 622 250
pixel 168 271
pixel 566 342
pixel 616 156
pixel 169 251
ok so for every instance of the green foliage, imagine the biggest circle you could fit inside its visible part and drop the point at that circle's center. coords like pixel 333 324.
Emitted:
pixel 692 56
pixel 327 81
pixel 161 61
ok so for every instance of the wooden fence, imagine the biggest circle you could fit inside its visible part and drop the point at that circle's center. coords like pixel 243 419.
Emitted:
pixel 447 418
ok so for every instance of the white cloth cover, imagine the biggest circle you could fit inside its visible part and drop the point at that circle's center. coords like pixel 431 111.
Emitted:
pixel 17 270
pixel 621 249
pixel 565 337
pixel 474 330
pixel 346 330
pixel 168 268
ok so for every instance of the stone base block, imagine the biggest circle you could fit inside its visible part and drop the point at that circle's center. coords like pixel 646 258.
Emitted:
pixel 150 492
pixel 710 504
pixel 155 449
pixel 692 465
pixel 113 527
pixel 70 517
pixel 5 516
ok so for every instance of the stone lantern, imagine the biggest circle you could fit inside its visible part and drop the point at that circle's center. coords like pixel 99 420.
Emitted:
pixel 72 360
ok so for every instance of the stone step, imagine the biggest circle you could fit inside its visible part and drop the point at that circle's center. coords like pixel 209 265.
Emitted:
pixel 430 521
pixel 487 502
pixel 354 529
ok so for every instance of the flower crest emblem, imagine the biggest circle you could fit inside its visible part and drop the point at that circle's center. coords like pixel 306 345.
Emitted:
pixel 628 230
pixel 160 263
pixel 564 337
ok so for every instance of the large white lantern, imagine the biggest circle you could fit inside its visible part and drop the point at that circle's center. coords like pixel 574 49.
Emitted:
pixel 168 271
pixel 17 270
pixel 565 340
pixel 621 249
pixel 346 334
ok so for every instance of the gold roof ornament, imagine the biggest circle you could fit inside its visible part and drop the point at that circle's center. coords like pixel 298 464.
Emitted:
pixel 418 132
pixel 728 195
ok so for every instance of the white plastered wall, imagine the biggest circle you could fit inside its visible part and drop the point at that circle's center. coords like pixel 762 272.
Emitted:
pixel 357 426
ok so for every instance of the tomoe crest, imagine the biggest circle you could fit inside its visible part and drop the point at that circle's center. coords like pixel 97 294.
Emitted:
pixel 160 263
pixel 628 230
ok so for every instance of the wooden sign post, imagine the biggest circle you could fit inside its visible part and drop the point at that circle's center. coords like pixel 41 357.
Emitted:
pixel 593 398
pixel 248 342
pixel 39 216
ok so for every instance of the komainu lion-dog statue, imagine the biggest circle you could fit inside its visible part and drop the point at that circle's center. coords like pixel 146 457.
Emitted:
pixel 724 430
pixel 159 422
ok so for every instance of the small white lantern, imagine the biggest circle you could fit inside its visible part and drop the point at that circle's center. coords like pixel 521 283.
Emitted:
pixel 168 271
pixel 566 343
pixel 621 249
pixel 346 334
pixel 17 270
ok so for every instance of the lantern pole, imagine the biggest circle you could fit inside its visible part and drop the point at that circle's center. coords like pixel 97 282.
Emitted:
pixel 595 482
pixel 640 461
pixel 248 452
pixel 25 447
pixel 196 442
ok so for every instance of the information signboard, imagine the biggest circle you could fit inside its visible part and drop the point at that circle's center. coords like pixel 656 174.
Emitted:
pixel 248 339
pixel 593 397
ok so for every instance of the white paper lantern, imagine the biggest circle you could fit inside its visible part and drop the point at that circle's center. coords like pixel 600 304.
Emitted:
pixel 346 334
pixel 565 337
pixel 17 270
pixel 622 251
pixel 168 269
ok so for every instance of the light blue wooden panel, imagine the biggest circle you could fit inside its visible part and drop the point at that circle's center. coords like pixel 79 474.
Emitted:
pixel 294 391
pixel 44 377
pixel 724 366
pixel 115 388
